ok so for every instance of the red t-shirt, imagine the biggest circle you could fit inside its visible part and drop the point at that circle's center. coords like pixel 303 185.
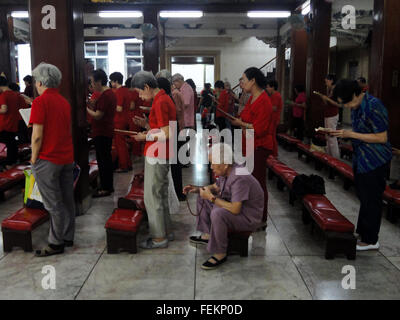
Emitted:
pixel 138 103
pixel 162 112
pixel 297 111
pixel 9 120
pixel 53 111
pixel 276 100
pixel 330 110
pixel 21 105
pixel 260 115
pixel 124 100
pixel 223 103
pixel 107 102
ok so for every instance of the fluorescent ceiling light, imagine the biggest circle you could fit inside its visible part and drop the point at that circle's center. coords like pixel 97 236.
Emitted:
pixel 268 14
pixel 20 14
pixel 181 14
pixel 120 14
pixel 306 8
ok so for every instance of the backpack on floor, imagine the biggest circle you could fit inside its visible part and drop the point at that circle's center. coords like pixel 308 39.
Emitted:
pixel 312 184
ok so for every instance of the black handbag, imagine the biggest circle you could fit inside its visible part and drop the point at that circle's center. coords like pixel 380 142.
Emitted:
pixel 312 184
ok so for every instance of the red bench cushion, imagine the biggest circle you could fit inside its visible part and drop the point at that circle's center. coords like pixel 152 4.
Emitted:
pixel 138 200
pixel 342 167
pixel 125 220
pixel 288 138
pixel 322 156
pixel 304 147
pixel 25 219
pixel 392 195
pixel 326 215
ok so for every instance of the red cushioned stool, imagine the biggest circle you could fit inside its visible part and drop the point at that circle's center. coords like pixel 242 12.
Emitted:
pixel 338 230
pixel 392 198
pixel 238 242
pixel 17 228
pixel 122 229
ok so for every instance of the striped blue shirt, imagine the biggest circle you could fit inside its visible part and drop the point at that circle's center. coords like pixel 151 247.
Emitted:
pixel 370 117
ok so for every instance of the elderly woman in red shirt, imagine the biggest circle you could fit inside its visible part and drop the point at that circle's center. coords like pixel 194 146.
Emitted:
pixel 258 115
pixel 157 156
pixel 53 157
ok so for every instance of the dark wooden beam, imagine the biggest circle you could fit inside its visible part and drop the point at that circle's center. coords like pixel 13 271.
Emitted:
pixel 7 48
pixel 64 47
pixel 384 69
pixel 298 59
pixel 151 52
pixel 317 62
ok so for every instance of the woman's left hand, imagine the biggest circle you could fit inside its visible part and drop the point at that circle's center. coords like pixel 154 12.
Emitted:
pixel 140 137
pixel 205 193
pixel 341 133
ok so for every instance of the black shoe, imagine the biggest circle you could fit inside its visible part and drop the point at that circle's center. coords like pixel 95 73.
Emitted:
pixel 209 265
pixel 68 243
pixel 198 240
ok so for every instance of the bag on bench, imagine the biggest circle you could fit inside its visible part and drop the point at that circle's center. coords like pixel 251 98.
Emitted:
pixel 312 184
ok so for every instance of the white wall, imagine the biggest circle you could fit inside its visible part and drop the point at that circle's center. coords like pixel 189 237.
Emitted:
pixel 24 63
pixel 236 57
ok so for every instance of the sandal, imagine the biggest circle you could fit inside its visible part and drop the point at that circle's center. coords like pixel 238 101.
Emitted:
pixel 198 240
pixel 48 251
pixel 101 193
pixel 121 171
pixel 210 266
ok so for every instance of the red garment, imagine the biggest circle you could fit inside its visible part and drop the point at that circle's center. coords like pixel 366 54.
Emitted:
pixel 330 109
pixel 297 111
pixel 9 120
pixel 107 102
pixel 95 95
pixel 260 115
pixel 204 114
pixel 53 111
pixel 277 102
pixel 223 103
pixel 121 121
pixel 136 145
pixel 162 112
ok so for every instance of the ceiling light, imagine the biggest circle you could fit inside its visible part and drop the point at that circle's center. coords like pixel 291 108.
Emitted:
pixel 120 14
pixel 306 8
pixel 181 14
pixel 268 14
pixel 20 14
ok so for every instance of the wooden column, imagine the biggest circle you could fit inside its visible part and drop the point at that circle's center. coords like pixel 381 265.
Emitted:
pixel 7 48
pixel 317 62
pixel 298 59
pixel 162 46
pixel 62 44
pixel 384 67
pixel 151 46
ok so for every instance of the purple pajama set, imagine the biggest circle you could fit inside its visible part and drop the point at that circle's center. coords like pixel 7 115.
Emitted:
pixel 216 221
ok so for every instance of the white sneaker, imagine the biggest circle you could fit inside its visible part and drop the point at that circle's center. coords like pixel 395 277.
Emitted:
pixel 369 247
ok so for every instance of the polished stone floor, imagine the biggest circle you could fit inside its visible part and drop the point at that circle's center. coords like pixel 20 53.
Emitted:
pixel 284 262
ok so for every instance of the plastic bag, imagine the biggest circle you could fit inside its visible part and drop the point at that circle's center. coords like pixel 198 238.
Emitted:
pixel 173 200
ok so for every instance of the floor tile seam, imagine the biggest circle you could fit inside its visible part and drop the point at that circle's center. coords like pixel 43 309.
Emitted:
pixel 89 274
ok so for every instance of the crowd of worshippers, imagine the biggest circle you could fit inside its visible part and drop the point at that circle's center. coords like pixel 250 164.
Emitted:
pixel 140 111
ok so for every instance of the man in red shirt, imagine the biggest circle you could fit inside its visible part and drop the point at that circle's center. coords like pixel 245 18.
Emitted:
pixel 277 105
pixel 102 112
pixel 9 117
pixel 222 103
pixel 121 120
pixel 53 157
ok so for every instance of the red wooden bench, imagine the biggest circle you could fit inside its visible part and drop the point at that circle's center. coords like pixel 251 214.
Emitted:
pixel 134 200
pixel 346 150
pixel 122 228
pixel 11 178
pixel 392 198
pixel 17 228
pixel 338 230
pixel 284 174
pixel 287 141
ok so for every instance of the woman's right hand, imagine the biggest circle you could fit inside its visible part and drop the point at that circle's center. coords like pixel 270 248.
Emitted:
pixel 190 189
pixel 141 122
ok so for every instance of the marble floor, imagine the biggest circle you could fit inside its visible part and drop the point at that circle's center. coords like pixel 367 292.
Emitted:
pixel 284 262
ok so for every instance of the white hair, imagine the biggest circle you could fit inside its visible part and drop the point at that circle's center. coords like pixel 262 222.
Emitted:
pixel 221 153
pixel 177 77
pixel 164 73
pixel 49 75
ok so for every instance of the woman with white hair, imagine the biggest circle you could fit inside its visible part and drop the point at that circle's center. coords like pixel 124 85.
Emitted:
pixel 53 157
pixel 157 156
pixel 235 202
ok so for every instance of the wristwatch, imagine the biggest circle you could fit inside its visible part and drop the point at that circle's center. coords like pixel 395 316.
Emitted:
pixel 213 199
